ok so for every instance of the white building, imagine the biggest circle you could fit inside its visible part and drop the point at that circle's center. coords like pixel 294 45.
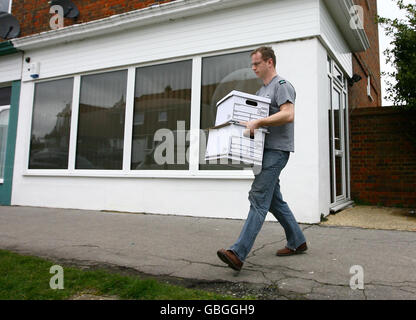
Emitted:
pixel 86 125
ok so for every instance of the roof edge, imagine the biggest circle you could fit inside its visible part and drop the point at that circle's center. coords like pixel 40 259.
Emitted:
pixel 6 47
pixel 137 18
pixel 356 38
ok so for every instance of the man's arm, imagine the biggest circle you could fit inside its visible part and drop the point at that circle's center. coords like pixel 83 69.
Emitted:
pixel 285 115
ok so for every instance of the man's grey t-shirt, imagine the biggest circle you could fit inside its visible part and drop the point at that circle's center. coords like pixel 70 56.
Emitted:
pixel 280 91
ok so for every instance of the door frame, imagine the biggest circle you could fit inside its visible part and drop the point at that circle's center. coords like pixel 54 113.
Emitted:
pixel 338 82
pixel 6 186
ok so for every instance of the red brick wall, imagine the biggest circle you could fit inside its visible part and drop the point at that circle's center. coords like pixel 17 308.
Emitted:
pixel 383 156
pixel 367 64
pixel 34 16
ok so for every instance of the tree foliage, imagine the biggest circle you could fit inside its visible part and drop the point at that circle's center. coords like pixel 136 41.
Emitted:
pixel 402 56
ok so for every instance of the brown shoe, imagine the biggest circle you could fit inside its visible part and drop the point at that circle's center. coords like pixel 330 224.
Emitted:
pixel 230 258
pixel 288 252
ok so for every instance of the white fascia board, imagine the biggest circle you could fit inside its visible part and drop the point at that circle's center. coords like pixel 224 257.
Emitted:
pixel 150 15
pixel 340 10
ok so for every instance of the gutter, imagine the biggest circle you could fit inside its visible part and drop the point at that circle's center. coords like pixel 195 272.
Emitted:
pixel 133 19
pixel 340 10
pixel 6 48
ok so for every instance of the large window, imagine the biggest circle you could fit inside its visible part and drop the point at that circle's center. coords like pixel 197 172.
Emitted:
pixel 5 5
pixel 102 106
pixel 162 112
pixel 5 95
pixel 221 75
pixel 51 122
pixel 152 104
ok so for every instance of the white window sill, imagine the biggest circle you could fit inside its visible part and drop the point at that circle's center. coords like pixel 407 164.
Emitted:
pixel 246 174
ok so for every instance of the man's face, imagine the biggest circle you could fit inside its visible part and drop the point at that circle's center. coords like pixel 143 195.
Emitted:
pixel 260 67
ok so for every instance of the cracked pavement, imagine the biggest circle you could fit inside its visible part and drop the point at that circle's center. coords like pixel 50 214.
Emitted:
pixel 181 247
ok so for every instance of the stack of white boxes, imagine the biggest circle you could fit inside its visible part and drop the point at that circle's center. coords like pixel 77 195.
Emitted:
pixel 227 140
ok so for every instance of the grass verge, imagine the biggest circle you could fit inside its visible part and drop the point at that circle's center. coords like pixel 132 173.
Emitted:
pixel 27 278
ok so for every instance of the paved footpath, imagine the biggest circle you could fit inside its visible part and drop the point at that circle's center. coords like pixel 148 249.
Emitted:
pixel 185 247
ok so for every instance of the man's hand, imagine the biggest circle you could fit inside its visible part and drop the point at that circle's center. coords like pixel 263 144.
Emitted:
pixel 251 126
pixel 285 115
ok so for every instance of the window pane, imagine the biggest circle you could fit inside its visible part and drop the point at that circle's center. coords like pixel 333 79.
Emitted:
pixel 102 108
pixel 51 123
pixel 329 65
pixel 346 125
pixel 338 75
pixel 336 105
pixel 4 124
pixel 221 75
pixel 5 95
pixel 331 175
pixel 162 101
pixel 4 5
pixel 338 176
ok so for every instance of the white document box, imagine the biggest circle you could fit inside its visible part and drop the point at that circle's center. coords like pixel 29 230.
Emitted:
pixel 241 106
pixel 227 141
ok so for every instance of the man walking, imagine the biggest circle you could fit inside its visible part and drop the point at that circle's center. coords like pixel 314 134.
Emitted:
pixel 265 194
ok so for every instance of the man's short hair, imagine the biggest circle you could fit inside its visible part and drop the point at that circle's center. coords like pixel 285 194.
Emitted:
pixel 266 54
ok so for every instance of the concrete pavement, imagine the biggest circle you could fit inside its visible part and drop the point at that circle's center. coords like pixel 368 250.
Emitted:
pixel 179 247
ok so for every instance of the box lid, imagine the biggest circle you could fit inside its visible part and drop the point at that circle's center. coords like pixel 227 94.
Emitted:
pixel 244 95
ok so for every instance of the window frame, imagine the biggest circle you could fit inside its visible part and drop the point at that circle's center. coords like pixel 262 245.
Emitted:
pixel 192 172
pixel 75 121
pixel 4 108
pixel 28 142
pixel 342 88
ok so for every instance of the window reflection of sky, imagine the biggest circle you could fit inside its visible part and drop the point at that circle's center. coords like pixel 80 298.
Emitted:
pixel 103 90
pixel 176 76
pixel 51 98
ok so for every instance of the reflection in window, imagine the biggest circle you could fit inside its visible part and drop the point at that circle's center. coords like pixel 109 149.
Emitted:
pixel 336 105
pixel 163 116
pixel 138 118
pixel 102 106
pixel 162 97
pixel 51 122
pixel 221 75
pixel 338 75
pixel 331 175
pixel 5 95
pixel 4 124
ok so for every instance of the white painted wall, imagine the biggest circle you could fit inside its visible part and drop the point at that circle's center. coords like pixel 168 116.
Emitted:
pixel 333 40
pixel 323 130
pixel 11 67
pixel 300 181
pixel 249 25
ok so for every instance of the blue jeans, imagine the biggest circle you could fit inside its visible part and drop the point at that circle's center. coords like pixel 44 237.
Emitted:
pixel 265 196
